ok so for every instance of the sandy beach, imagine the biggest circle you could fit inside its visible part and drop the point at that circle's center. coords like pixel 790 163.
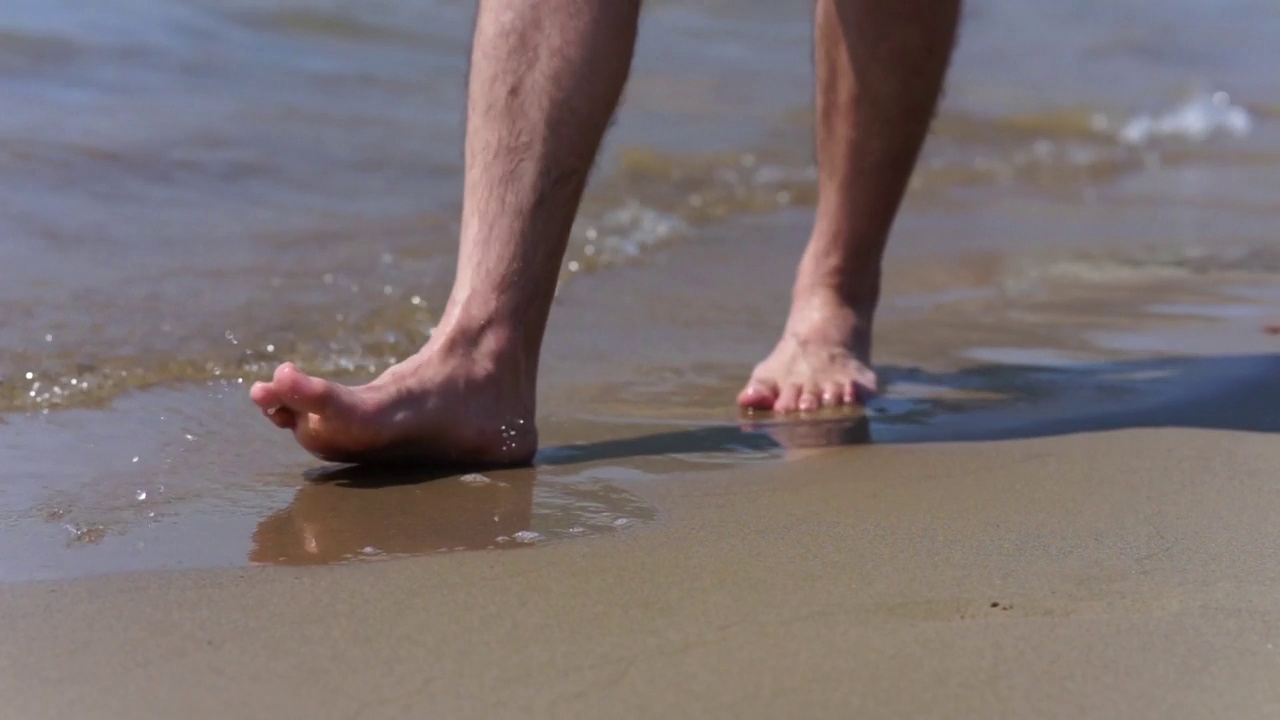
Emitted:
pixel 1126 574
pixel 1116 558
pixel 1062 505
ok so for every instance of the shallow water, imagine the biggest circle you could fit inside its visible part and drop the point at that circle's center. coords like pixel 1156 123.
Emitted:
pixel 193 190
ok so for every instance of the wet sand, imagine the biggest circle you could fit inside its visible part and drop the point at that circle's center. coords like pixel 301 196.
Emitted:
pixel 1123 574
pixel 1070 515
pixel 639 376
pixel 1062 506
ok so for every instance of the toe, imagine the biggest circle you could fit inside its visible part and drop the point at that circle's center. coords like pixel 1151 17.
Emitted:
pixel 302 392
pixel 833 395
pixel 865 386
pixel 282 417
pixel 267 397
pixel 810 399
pixel 788 398
pixel 849 393
pixel 759 394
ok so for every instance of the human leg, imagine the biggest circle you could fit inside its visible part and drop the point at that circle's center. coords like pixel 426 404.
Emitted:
pixel 546 76
pixel 879 67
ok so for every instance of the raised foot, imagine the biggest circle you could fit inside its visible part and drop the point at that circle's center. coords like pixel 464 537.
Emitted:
pixel 425 409
pixel 822 360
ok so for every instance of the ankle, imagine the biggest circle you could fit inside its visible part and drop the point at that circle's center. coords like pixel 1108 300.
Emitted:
pixel 486 343
pixel 827 315
pixel 825 287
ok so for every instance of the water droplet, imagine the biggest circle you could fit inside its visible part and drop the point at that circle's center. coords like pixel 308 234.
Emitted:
pixel 135 458
pixel 573 266
pixel 141 495
pixel 271 348
pixel 189 436
pixel 48 338
pixel 416 300
pixel 30 375
pixel 386 290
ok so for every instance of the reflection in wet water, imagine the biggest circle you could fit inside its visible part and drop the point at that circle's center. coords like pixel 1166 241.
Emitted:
pixel 355 513
pixel 352 513
pixel 227 503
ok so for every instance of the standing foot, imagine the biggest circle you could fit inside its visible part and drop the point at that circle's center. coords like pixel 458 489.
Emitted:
pixel 822 360
pixel 442 406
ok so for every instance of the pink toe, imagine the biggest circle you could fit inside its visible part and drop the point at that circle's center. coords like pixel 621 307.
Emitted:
pixel 758 395
pixel 849 393
pixel 300 391
pixel 281 417
pixel 264 395
pixel 868 384
pixel 810 400
pixel 788 399
pixel 832 395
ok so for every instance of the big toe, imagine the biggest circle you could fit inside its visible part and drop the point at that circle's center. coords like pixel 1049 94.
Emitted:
pixel 302 392
pixel 267 397
pixel 759 394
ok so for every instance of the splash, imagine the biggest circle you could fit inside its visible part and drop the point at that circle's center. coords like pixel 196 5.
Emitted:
pixel 1197 119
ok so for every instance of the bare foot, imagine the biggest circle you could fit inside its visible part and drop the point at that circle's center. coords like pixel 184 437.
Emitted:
pixel 822 360
pixel 441 405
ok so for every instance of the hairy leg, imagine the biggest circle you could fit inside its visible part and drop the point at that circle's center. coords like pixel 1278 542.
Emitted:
pixel 879 67
pixel 546 76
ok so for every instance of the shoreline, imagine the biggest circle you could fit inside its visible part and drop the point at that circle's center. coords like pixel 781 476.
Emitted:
pixel 186 476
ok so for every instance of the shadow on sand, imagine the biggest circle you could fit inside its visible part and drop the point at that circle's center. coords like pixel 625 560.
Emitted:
pixel 346 513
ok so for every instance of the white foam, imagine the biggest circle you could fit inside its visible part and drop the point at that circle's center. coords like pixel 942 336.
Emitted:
pixel 1197 119
pixel 627 231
